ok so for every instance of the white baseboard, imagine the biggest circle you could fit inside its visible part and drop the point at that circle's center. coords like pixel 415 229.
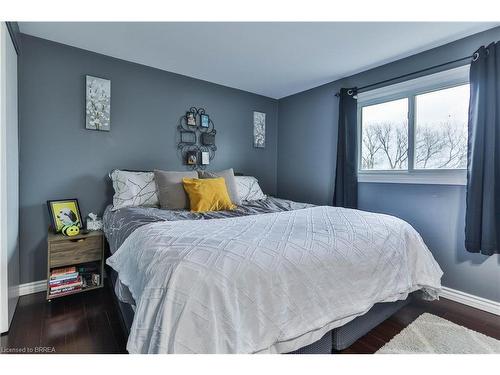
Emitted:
pixel 471 300
pixel 34 287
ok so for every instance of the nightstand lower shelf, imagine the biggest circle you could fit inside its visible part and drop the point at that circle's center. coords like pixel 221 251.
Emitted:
pixel 51 297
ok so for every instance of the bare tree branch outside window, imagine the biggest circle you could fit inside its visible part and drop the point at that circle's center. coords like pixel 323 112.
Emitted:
pixel 441 147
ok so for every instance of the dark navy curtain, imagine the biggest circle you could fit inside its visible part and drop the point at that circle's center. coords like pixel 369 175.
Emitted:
pixel 482 218
pixel 346 180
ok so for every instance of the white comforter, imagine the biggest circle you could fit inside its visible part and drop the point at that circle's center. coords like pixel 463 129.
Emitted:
pixel 266 283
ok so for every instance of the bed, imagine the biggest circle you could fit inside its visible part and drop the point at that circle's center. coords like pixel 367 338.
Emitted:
pixel 272 276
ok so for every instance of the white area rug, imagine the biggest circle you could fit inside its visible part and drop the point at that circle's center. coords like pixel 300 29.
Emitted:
pixel 433 335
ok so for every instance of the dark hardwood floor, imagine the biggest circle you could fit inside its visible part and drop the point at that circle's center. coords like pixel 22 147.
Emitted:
pixel 83 323
pixel 89 323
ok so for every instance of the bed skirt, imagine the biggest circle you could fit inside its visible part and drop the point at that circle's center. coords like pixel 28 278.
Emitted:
pixel 345 336
pixel 126 311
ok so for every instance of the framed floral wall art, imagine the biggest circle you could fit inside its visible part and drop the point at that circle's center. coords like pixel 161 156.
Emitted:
pixel 98 103
pixel 259 129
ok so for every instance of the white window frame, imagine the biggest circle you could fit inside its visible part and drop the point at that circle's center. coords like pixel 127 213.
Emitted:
pixel 410 89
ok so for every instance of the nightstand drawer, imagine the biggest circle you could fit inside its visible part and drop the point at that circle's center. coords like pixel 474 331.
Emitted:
pixel 75 251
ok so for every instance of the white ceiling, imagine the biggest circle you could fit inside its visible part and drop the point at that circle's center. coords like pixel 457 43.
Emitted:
pixel 271 59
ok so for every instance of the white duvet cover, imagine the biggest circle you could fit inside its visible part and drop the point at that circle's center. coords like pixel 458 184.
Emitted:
pixel 268 283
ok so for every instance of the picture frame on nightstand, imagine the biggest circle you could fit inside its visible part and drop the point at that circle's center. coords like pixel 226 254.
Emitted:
pixel 64 212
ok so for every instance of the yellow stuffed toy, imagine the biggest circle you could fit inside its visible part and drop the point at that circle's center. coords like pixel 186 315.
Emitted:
pixel 70 230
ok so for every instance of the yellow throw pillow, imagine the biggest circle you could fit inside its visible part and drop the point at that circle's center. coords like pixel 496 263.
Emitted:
pixel 208 194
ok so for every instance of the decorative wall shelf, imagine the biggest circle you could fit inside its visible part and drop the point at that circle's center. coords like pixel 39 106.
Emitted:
pixel 196 138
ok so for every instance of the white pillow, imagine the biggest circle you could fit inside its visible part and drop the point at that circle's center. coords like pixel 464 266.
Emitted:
pixel 248 188
pixel 134 189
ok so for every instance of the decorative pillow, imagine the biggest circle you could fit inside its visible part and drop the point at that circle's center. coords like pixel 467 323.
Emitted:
pixel 209 194
pixel 228 175
pixel 248 188
pixel 170 191
pixel 133 189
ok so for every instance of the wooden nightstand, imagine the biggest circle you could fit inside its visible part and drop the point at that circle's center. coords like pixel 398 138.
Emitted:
pixel 83 249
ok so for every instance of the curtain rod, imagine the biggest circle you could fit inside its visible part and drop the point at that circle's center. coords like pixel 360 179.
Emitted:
pixel 474 57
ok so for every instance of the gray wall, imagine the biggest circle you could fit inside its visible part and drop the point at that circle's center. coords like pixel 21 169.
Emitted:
pixel 307 131
pixel 59 158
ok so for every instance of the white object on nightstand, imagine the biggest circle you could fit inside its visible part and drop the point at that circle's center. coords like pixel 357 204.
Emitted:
pixel 94 222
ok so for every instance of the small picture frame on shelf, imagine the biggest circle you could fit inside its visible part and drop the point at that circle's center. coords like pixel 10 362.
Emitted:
pixel 205 158
pixel 188 137
pixel 191 158
pixel 190 119
pixel 207 139
pixel 64 212
pixel 204 121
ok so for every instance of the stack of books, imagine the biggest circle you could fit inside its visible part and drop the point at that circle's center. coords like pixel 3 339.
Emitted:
pixel 64 281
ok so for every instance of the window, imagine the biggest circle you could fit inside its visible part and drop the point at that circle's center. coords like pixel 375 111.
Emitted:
pixel 415 131
pixel 385 135
pixel 441 128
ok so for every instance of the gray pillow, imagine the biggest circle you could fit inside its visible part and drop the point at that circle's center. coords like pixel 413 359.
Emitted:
pixel 170 189
pixel 228 175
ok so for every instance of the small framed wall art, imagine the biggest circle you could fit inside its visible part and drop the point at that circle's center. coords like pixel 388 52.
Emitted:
pixel 191 158
pixel 259 129
pixel 204 121
pixel 98 103
pixel 191 119
pixel 188 137
pixel 207 139
pixel 205 158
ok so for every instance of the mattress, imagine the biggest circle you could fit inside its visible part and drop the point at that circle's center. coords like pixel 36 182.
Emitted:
pixel 264 283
